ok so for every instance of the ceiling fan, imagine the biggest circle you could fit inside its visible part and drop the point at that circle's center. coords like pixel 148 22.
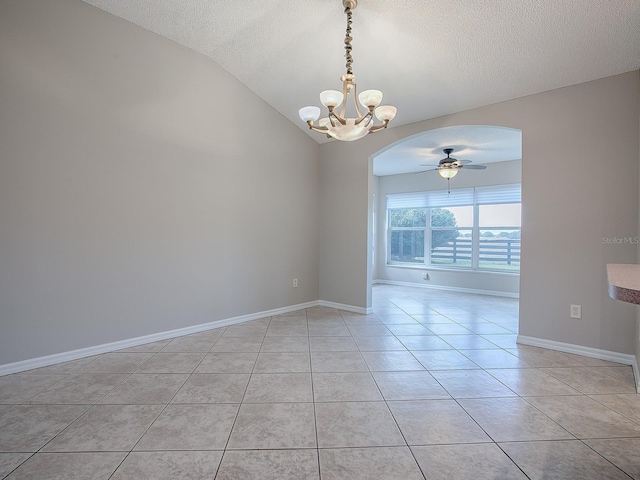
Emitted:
pixel 448 167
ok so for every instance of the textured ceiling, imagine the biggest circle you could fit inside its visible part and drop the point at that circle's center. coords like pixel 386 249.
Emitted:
pixel 430 58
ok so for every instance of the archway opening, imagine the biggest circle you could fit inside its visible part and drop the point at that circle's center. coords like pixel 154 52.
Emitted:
pixel 455 235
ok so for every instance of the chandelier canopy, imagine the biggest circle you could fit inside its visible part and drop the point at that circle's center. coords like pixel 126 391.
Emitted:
pixel 337 125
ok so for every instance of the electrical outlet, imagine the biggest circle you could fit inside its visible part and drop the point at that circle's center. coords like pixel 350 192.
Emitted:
pixel 295 283
pixel 576 311
pixel 425 276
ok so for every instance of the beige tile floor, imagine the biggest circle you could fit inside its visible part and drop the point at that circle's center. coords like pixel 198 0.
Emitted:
pixel 432 385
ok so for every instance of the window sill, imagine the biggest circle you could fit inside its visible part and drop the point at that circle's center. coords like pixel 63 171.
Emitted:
pixel 425 268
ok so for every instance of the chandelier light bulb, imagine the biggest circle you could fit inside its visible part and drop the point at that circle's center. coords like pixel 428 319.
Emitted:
pixel 370 98
pixel 386 113
pixel 309 113
pixel 331 98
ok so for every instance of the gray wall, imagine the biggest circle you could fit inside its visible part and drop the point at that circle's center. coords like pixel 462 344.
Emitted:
pixel 495 174
pixel 580 184
pixel 637 336
pixel 142 188
pixel 344 221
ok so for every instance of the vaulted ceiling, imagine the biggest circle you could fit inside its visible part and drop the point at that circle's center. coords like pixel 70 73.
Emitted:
pixel 430 58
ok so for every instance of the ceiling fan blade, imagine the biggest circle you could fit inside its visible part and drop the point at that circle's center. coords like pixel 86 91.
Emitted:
pixel 463 162
pixel 475 167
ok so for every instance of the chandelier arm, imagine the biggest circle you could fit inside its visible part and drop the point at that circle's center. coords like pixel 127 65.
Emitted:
pixel 355 101
pixel 376 128
pixel 339 118
pixel 343 111
pixel 367 116
pixel 347 85
pixel 318 129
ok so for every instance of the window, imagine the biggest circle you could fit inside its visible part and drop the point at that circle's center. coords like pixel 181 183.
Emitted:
pixel 499 236
pixel 473 228
pixel 451 232
pixel 407 234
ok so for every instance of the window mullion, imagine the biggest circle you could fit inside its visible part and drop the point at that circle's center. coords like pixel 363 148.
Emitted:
pixel 427 239
pixel 388 245
pixel 475 238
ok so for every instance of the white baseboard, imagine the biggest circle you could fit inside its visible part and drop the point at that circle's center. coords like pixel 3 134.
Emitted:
pixel 133 342
pixel 348 308
pixel 494 293
pixel 623 358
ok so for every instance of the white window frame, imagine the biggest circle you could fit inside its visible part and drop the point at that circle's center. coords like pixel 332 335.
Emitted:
pixel 475 197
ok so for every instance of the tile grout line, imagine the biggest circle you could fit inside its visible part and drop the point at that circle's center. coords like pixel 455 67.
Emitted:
pixel 165 406
pixel 188 376
pixel 313 400
pixel 235 419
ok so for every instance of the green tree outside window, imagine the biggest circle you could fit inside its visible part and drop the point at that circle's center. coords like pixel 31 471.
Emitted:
pixel 441 217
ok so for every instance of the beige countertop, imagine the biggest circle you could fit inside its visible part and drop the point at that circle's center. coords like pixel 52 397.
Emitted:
pixel 624 282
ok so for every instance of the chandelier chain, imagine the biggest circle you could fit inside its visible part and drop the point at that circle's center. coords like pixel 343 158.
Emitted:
pixel 347 40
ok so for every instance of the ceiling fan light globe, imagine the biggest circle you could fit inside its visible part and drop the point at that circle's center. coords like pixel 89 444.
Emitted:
pixel 331 98
pixel 310 113
pixel 386 113
pixel 370 98
pixel 447 172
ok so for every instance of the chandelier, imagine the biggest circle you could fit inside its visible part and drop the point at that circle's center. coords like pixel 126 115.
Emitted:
pixel 337 125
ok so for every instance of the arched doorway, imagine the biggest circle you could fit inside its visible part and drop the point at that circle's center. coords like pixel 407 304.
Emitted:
pixel 395 172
